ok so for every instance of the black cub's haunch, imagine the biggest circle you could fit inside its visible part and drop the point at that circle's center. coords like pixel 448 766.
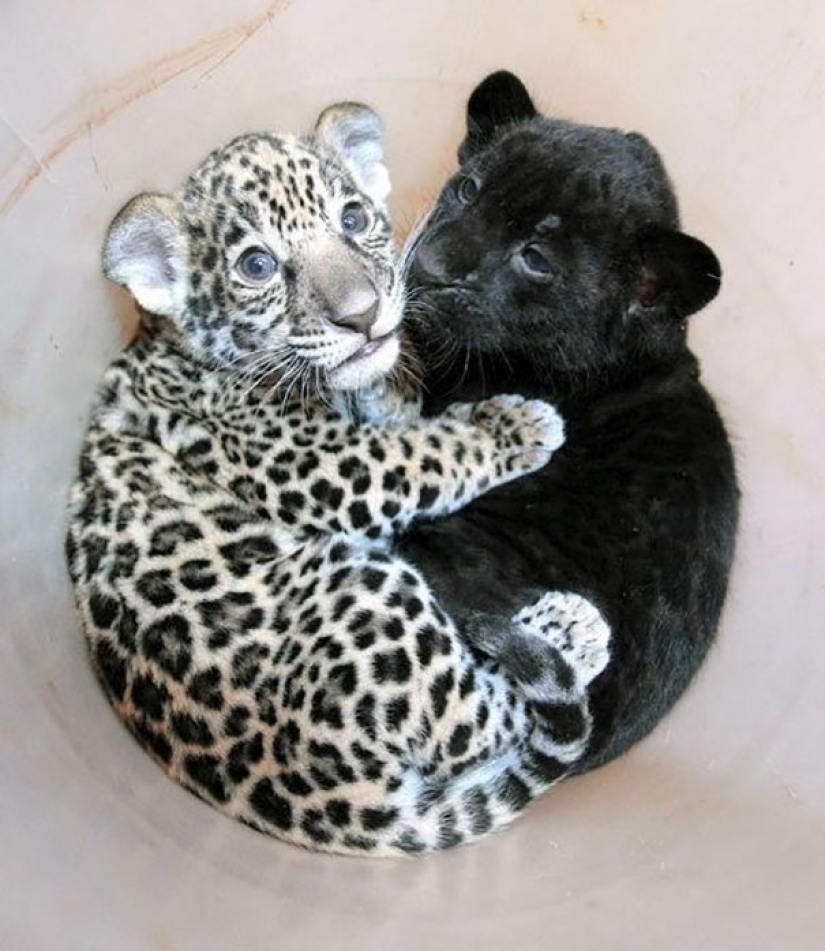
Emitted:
pixel 553 265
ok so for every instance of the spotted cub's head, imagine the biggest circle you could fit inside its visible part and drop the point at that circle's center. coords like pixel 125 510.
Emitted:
pixel 275 256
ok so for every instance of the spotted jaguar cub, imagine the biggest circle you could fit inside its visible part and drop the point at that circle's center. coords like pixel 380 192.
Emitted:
pixel 230 525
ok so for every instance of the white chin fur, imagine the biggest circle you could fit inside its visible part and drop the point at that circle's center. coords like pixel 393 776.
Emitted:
pixel 352 376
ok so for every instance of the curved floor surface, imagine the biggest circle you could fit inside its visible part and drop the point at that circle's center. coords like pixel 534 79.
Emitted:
pixel 709 835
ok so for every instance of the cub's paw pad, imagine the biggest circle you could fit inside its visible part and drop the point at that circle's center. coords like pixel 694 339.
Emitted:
pixel 572 625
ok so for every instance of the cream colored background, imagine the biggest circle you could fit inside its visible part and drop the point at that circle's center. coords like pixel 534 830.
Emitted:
pixel 709 835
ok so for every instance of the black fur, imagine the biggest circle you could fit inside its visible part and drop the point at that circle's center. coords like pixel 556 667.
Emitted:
pixel 638 511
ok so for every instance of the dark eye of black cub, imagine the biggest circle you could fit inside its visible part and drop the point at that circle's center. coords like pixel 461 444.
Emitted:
pixel 257 266
pixel 467 190
pixel 535 261
pixel 354 218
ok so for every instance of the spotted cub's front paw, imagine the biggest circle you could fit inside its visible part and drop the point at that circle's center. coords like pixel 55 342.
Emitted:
pixel 526 432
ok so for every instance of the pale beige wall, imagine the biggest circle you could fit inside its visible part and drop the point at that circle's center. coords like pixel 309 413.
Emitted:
pixel 709 835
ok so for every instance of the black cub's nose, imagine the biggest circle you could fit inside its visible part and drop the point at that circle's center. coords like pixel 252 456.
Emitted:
pixel 445 256
pixel 357 310
pixel 429 262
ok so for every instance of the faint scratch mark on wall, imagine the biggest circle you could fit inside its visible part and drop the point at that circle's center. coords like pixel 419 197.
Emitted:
pixel 95 163
pixel 28 148
pixel 98 107
pixel 592 19
pixel 246 35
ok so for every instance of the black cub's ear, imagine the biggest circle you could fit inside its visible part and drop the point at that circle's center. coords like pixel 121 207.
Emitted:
pixel 498 100
pixel 674 272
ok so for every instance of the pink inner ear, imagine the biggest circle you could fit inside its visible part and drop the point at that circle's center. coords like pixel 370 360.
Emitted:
pixel 647 287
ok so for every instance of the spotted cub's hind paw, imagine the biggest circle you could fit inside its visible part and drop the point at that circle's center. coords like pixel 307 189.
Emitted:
pixel 573 626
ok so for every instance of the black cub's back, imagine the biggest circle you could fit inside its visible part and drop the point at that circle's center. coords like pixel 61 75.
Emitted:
pixel 554 265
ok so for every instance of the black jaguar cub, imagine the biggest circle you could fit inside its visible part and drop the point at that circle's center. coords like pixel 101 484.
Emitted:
pixel 553 266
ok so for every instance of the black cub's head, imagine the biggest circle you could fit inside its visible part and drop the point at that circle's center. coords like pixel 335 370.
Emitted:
pixel 556 246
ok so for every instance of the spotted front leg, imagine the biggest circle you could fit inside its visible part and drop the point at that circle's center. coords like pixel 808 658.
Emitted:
pixel 376 480
pixel 320 473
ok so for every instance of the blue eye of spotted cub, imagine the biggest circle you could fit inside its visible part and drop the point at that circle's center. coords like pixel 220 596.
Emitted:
pixel 354 218
pixel 257 266
pixel 467 190
pixel 535 262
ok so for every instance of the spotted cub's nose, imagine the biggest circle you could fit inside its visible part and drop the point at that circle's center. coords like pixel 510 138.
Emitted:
pixel 357 309
pixel 339 287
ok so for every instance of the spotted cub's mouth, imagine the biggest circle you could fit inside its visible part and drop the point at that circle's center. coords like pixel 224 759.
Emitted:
pixel 368 349
pixel 371 360
pixel 343 360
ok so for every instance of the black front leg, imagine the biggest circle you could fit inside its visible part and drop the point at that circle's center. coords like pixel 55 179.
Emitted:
pixel 478 579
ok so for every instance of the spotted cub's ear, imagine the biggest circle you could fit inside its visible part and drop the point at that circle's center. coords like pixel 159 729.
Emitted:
pixel 499 100
pixel 356 135
pixel 145 252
